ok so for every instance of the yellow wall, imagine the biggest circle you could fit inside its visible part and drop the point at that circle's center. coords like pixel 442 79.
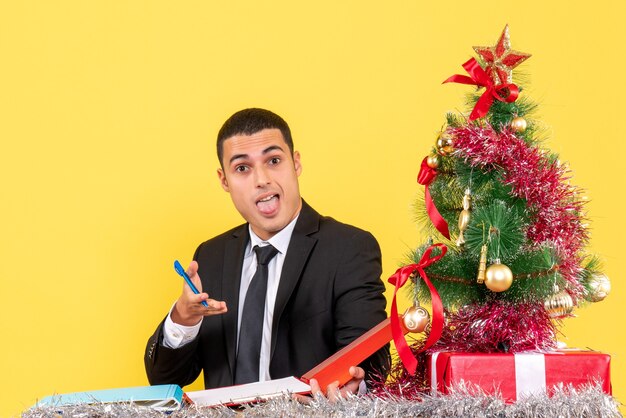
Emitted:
pixel 108 113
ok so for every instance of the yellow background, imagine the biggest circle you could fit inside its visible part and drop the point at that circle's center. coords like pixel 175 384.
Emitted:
pixel 108 114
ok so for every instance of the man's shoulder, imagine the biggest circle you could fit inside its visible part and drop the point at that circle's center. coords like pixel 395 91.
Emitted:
pixel 330 225
pixel 340 235
pixel 327 226
pixel 340 242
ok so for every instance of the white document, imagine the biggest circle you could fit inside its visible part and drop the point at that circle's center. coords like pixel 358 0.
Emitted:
pixel 250 392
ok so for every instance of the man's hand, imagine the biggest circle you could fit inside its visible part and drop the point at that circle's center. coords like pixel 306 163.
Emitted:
pixel 333 392
pixel 189 309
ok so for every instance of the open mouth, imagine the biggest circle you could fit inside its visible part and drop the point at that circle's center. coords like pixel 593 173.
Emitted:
pixel 268 204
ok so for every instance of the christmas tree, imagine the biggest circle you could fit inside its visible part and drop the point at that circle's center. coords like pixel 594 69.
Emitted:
pixel 513 226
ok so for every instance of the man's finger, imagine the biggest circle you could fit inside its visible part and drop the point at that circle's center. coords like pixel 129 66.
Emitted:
pixel 194 299
pixel 216 307
pixel 192 269
pixel 357 372
pixel 315 387
pixel 353 385
pixel 303 399
pixel 332 392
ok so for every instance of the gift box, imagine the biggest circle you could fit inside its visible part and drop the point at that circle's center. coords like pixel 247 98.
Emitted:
pixel 516 375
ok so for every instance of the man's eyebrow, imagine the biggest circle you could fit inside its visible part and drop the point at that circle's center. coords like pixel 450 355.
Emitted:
pixel 237 157
pixel 265 151
pixel 272 148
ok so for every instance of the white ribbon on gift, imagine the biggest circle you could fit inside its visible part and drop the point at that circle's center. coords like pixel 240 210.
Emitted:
pixel 433 373
pixel 530 374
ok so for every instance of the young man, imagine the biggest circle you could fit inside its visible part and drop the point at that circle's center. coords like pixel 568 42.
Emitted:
pixel 322 291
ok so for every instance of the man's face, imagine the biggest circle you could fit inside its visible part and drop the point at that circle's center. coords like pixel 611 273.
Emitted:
pixel 261 176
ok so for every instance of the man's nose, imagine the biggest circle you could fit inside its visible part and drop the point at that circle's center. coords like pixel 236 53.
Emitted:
pixel 263 178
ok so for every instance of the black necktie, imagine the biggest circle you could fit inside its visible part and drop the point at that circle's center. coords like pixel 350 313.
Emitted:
pixel 251 331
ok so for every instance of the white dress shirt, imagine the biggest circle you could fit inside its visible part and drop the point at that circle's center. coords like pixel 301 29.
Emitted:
pixel 176 335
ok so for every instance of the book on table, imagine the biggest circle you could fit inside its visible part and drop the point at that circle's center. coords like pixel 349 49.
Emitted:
pixel 334 368
pixel 159 397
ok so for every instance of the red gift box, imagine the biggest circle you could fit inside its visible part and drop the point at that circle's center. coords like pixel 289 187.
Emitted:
pixel 516 375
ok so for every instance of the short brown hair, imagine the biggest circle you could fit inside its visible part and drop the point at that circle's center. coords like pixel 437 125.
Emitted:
pixel 248 122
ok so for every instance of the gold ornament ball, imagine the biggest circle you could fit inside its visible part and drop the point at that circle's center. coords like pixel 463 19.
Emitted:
pixel 559 305
pixel 445 144
pixel 518 124
pixel 416 319
pixel 433 161
pixel 498 277
pixel 599 287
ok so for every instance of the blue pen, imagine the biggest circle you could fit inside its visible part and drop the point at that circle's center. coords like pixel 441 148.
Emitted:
pixel 180 270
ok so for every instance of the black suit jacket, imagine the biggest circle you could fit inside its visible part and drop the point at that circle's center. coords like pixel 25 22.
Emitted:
pixel 329 294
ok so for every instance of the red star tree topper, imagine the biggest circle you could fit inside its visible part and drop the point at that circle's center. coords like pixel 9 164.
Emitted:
pixel 501 59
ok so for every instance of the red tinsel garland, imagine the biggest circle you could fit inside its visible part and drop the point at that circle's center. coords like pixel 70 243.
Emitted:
pixel 498 326
pixel 555 209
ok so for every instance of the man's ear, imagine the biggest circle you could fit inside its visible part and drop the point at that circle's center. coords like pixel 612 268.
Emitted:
pixel 223 181
pixel 297 165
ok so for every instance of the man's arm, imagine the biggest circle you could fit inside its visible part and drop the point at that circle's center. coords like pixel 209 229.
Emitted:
pixel 360 301
pixel 358 305
pixel 167 365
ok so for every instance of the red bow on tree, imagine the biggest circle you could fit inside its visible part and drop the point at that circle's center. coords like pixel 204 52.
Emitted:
pixel 507 92
pixel 399 278
pixel 426 176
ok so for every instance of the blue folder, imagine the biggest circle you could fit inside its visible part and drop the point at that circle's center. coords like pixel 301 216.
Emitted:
pixel 159 397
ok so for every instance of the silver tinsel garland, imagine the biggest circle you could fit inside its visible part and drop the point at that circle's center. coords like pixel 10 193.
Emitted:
pixel 462 402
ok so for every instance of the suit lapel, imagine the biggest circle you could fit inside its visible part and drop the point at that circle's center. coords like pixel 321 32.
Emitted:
pixel 300 246
pixel 233 263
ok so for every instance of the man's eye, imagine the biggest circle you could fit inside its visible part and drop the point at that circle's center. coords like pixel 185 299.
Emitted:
pixel 241 168
pixel 275 160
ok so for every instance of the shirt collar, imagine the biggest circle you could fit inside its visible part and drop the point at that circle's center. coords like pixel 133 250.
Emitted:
pixel 280 241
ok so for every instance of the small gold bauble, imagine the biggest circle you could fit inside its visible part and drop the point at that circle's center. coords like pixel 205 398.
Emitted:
pixel 416 319
pixel 518 124
pixel 433 161
pixel 498 277
pixel 559 305
pixel 599 287
pixel 445 144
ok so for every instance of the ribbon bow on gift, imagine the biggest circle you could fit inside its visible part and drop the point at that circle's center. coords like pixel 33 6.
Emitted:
pixel 478 77
pixel 398 279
